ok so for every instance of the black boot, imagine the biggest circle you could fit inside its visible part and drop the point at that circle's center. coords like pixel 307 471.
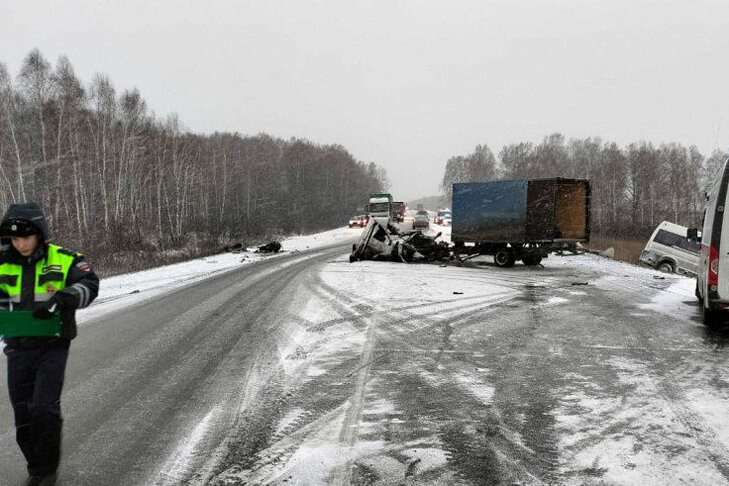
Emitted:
pixel 41 480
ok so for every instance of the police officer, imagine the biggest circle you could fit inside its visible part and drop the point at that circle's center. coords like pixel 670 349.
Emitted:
pixel 46 279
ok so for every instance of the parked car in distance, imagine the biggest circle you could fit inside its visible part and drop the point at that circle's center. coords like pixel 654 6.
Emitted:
pixel 359 220
pixel 443 217
pixel 421 219
pixel 670 250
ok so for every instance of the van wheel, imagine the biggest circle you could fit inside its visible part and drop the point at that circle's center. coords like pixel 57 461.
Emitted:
pixel 504 258
pixel 665 267
pixel 712 317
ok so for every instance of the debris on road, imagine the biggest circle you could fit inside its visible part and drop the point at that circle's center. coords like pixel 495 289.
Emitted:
pixel 235 248
pixel 272 247
pixel 416 246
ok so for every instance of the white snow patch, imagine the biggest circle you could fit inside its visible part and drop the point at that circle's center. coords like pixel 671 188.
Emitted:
pixel 713 409
pixel 676 300
pixel 177 466
pixel 289 419
pixel 476 387
pixel 428 458
pixel 314 371
pixel 556 301
pixel 380 407
pixel 621 440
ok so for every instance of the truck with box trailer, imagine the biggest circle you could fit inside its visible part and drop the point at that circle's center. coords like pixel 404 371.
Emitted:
pixel 519 219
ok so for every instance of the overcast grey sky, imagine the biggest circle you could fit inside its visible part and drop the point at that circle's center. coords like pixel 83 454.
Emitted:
pixel 405 84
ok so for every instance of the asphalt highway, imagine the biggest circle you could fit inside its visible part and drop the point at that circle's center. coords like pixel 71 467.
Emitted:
pixel 308 369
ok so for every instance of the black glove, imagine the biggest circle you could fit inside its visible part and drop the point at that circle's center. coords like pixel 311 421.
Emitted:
pixel 66 299
pixel 46 310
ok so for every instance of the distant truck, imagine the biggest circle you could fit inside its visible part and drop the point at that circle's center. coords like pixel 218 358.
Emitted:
pixel 520 219
pixel 380 205
pixel 398 211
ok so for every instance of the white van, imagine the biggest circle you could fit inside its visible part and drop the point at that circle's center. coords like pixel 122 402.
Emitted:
pixel 670 250
pixel 712 278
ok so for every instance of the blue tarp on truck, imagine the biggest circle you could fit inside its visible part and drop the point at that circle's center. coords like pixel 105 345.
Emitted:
pixel 520 219
pixel 489 211
pixel 521 211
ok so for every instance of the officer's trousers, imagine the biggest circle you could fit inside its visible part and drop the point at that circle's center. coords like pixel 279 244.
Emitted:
pixel 35 381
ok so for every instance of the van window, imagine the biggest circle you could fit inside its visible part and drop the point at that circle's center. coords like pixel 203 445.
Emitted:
pixel 678 241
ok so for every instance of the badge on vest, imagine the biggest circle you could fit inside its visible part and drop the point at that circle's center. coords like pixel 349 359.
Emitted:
pixel 50 268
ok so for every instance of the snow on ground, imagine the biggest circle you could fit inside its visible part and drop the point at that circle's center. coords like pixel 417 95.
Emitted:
pixel 677 291
pixel 123 290
pixel 439 290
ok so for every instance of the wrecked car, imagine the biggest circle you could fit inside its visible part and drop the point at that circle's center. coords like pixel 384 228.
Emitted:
pixel 272 247
pixel 382 241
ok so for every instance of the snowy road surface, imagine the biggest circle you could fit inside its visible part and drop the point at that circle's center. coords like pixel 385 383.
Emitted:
pixel 306 369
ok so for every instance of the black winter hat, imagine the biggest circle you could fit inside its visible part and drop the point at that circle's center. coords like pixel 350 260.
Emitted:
pixel 18 227
pixel 23 219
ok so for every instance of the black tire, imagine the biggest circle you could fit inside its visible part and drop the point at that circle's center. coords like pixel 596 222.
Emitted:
pixel 504 258
pixel 665 267
pixel 713 317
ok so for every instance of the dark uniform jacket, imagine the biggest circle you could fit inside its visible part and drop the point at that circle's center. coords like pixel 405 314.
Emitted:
pixel 77 290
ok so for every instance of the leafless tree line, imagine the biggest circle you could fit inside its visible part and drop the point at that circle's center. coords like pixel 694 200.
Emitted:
pixel 113 177
pixel 633 188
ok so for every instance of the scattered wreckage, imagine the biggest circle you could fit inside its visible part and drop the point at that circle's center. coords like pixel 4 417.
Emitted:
pixel 272 247
pixel 381 240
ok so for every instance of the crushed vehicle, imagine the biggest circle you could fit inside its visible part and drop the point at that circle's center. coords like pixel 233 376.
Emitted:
pixel 382 241
pixel 519 219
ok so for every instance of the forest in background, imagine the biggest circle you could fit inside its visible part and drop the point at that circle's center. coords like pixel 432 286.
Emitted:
pixel 634 188
pixel 133 191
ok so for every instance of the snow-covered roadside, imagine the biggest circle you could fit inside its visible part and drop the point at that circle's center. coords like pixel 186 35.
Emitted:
pixel 123 290
pixel 676 296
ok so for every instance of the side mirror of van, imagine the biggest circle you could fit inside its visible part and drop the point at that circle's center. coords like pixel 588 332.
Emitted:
pixel 692 234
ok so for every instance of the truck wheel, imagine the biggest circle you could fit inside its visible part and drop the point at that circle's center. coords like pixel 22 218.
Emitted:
pixel 532 260
pixel 665 267
pixel 504 258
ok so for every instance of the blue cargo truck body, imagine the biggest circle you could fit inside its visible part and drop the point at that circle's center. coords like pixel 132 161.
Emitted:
pixel 520 219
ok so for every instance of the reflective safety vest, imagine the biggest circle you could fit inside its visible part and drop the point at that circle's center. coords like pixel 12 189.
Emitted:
pixel 50 276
